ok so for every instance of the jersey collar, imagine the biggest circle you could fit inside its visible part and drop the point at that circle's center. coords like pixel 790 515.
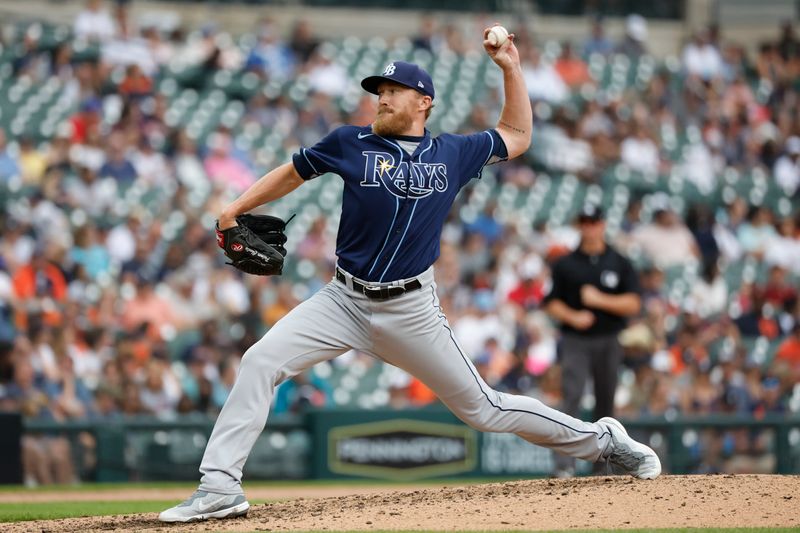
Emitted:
pixel 424 140
pixel 409 138
pixel 591 257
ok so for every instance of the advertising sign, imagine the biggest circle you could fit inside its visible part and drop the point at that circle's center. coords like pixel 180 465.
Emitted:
pixel 402 449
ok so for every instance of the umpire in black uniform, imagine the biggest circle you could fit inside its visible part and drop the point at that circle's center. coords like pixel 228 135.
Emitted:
pixel 594 290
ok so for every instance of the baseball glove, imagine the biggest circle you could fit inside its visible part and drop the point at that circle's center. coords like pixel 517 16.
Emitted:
pixel 255 245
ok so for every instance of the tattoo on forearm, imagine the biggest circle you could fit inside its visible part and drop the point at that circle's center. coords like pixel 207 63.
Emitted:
pixel 509 126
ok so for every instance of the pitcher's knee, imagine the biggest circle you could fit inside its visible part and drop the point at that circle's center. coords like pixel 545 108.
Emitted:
pixel 260 360
pixel 270 363
pixel 480 416
pixel 482 424
pixel 488 420
pixel 485 414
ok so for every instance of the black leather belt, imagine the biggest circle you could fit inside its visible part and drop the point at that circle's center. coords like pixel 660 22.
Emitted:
pixel 380 293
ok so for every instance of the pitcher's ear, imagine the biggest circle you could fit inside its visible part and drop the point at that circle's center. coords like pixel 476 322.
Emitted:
pixel 428 100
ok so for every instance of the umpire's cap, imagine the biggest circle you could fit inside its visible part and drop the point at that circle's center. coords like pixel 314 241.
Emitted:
pixel 590 213
pixel 407 74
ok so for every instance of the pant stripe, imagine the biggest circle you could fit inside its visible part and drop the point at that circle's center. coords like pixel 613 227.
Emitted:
pixel 488 399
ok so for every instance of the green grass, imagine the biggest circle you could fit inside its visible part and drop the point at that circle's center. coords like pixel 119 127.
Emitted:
pixel 97 486
pixel 192 485
pixel 17 512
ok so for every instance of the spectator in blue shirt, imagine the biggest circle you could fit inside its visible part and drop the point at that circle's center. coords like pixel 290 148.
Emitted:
pixel 597 43
pixel 8 165
pixel 271 55
pixel 118 166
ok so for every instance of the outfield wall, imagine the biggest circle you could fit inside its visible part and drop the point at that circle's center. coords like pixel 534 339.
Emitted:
pixel 406 445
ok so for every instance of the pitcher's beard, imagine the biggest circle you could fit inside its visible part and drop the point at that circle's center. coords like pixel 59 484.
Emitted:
pixel 392 124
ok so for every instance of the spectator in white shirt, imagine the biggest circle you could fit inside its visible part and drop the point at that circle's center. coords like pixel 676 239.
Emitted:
pixel 701 58
pixel 701 165
pixel 709 295
pixel 639 152
pixel 161 50
pixel 151 166
pixel 634 43
pixel 121 240
pixel 542 80
pixel 479 324
pixel 188 167
pixel 666 241
pixel 94 22
pixel 327 77
pixel 756 231
pixel 566 149
pixel 17 246
pixel 783 249
pixel 89 154
pixel 90 193
pixel 787 167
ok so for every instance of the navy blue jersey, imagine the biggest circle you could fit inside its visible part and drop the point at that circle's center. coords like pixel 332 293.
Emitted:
pixel 395 204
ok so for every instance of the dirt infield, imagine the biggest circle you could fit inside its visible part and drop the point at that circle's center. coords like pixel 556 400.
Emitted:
pixel 590 503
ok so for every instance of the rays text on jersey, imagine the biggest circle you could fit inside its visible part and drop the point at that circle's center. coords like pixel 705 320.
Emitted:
pixel 403 179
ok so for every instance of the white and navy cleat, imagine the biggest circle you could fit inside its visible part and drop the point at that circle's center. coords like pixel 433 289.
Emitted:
pixel 633 457
pixel 203 505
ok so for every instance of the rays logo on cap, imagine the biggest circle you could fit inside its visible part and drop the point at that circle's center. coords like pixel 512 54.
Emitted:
pixel 402 73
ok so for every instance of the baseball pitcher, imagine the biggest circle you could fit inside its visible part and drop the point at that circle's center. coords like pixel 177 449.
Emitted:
pixel 399 184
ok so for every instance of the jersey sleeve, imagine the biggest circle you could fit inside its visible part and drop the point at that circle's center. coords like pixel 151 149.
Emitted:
pixel 478 150
pixel 321 158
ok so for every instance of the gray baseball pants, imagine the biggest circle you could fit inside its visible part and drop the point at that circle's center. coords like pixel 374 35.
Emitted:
pixel 410 332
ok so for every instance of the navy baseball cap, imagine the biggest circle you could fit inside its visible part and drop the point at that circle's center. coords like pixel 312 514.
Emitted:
pixel 407 74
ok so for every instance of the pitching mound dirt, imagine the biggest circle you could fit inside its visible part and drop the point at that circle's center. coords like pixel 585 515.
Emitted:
pixel 591 503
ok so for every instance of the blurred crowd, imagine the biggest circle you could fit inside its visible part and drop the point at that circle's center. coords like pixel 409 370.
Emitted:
pixel 105 314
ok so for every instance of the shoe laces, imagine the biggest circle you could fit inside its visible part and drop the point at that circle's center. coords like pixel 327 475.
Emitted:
pixel 624 457
pixel 188 502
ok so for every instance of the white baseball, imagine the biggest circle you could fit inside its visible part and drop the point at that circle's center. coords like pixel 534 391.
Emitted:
pixel 497 36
